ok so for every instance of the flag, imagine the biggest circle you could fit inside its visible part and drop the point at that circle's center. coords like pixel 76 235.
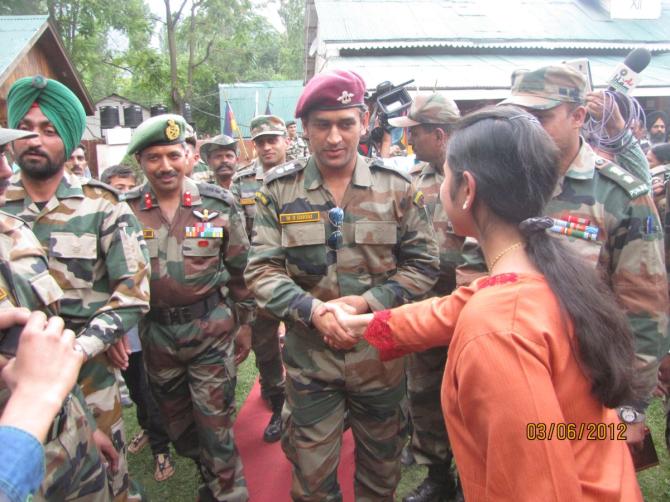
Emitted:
pixel 267 104
pixel 229 123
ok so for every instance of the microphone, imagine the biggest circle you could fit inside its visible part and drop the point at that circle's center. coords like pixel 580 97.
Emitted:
pixel 627 74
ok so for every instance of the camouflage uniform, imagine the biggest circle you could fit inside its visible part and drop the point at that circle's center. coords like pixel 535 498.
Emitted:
pixel 73 465
pixel 201 173
pixel 297 149
pixel 389 256
pixel 189 357
pixel 97 256
pixel 264 339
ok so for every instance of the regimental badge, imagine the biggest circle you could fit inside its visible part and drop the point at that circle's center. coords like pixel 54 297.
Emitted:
pixel 419 199
pixel 172 130
pixel 148 233
pixel 345 98
pixel 205 215
pixel 308 217
pixel 264 200
pixel 148 203
pixel 187 199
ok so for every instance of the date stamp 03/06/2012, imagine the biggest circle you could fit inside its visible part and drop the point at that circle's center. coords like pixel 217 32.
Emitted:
pixel 541 431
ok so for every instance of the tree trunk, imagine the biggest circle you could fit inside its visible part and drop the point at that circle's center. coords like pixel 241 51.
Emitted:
pixel 170 23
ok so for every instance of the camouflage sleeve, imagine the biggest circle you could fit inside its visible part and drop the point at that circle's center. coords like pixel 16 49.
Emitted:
pixel 474 265
pixel 640 283
pixel 235 259
pixel 633 160
pixel 266 273
pixel 237 195
pixel 127 260
pixel 418 263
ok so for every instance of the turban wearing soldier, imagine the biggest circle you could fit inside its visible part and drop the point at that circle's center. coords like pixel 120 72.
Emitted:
pixel 103 271
pixel 197 328
pixel 321 233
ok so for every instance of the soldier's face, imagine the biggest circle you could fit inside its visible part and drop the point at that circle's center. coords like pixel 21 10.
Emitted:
pixel 562 123
pixel 657 130
pixel 292 130
pixel 223 162
pixel 334 136
pixel 43 156
pixel 425 143
pixel 164 166
pixel 192 158
pixel 78 162
pixel 271 150
pixel 122 184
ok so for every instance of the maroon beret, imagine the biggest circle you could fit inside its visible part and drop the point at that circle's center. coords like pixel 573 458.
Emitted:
pixel 332 90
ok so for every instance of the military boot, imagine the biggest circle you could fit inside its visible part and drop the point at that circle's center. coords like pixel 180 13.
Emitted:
pixel 439 486
pixel 272 432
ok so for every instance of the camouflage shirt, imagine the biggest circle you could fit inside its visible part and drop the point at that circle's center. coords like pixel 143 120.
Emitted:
pixel 96 255
pixel 628 249
pixel 388 254
pixel 201 173
pixel 203 249
pixel 297 149
pixel 246 183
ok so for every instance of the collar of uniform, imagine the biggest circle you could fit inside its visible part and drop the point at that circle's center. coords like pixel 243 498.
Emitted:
pixel 583 167
pixel 68 187
pixel 258 168
pixel 361 177
pixel 188 185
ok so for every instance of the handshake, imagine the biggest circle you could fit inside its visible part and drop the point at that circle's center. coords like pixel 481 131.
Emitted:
pixel 342 322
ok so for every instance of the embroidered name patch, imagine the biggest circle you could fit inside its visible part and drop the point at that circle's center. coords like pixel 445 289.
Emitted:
pixel 247 201
pixel 309 217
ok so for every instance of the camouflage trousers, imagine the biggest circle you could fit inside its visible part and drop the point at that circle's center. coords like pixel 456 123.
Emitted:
pixel 192 375
pixel 425 371
pixel 321 385
pixel 73 465
pixel 97 379
pixel 265 344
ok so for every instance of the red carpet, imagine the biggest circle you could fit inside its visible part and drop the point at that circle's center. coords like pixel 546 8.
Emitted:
pixel 266 469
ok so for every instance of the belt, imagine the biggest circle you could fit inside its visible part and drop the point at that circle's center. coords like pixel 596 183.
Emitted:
pixel 185 314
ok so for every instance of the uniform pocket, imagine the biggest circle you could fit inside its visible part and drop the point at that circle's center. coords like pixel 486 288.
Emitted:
pixel 72 259
pixel 202 257
pixel 305 247
pixel 376 242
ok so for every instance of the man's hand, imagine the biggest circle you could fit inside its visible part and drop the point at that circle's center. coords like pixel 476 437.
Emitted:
pixel 595 105
pixel 107 450
pixel 118 353
pixel 357 303
pixel 333 334
pixel 242 343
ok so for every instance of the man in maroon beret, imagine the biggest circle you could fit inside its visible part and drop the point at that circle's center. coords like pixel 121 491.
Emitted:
pixel 338 227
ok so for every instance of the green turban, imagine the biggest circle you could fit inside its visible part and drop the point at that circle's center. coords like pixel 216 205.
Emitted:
pixel 56 101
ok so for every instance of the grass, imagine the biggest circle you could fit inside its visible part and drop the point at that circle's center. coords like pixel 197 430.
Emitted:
pixel 183 486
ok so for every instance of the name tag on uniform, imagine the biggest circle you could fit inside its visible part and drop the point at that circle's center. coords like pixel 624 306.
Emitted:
pixel 148 233
pixel 309 217
pixel 248 201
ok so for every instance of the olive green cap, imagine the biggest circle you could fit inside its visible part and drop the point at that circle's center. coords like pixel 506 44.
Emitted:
pixel 547 87
pixel 165 129
pixel 429 109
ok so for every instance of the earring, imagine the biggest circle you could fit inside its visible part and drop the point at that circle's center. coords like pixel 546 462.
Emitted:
pixel 465 205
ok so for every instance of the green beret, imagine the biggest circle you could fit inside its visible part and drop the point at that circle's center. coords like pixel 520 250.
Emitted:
pixel 57 102
pixel 165 129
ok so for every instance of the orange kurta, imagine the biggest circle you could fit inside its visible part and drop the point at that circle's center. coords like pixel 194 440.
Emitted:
pixel 512 361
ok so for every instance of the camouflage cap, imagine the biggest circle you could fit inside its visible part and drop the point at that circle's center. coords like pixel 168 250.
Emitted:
pixel 215 143
pixel 428 109
pixel 267 124
pixel 165 129
pixel 547 87
pixel 9 135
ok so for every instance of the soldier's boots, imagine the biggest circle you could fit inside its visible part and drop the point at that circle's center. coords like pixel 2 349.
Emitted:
pixel 439 486
pixel 272 432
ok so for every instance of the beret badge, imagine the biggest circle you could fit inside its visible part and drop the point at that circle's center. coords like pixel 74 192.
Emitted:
pixel 172 130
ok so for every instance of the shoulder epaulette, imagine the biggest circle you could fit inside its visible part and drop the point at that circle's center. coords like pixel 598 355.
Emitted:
pixel 416 169
pixel 133 193
pixel 633 187
pixel 380 163
pixel 293 167
pixel 92 182
pixel 216 192
pixel 247 171
pixel 17 221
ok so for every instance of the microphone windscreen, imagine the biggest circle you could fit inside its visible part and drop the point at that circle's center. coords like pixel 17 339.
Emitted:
pixel 638 59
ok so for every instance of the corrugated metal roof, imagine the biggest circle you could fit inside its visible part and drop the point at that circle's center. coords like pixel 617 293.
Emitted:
pixel 16 33
pixel 361 24
pixel 249 99
pixel 489 76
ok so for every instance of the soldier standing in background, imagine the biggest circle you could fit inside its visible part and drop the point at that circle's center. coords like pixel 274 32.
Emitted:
pixel 221 154
pixel 72 462
pixel 608 217
pixel 93 241
pixel 339 227
pixel 297 148
pixel 198 249
pixel 269 136
pixel 430 120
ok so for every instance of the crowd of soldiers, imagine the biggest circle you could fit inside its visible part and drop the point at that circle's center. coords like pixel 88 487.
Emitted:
pixel 184 274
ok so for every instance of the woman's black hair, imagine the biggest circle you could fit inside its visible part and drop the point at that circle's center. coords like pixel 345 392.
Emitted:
pixel 515 165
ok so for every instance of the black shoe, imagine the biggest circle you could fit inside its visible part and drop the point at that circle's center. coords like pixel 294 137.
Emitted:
pixel 272 432
pixel 407 457
pixel 432 491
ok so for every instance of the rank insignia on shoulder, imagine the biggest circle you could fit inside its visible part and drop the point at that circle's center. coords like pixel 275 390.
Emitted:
pixel 205 215
pixel 248 201
pixel 419 199
pixel 148 233
pixel 308 217
pixel 3 294
pixel 262 198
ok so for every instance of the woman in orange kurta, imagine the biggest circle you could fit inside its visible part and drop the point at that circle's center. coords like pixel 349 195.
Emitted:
pixel 538 352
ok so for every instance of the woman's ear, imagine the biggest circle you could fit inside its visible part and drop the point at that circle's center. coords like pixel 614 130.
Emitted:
pixel 469 188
